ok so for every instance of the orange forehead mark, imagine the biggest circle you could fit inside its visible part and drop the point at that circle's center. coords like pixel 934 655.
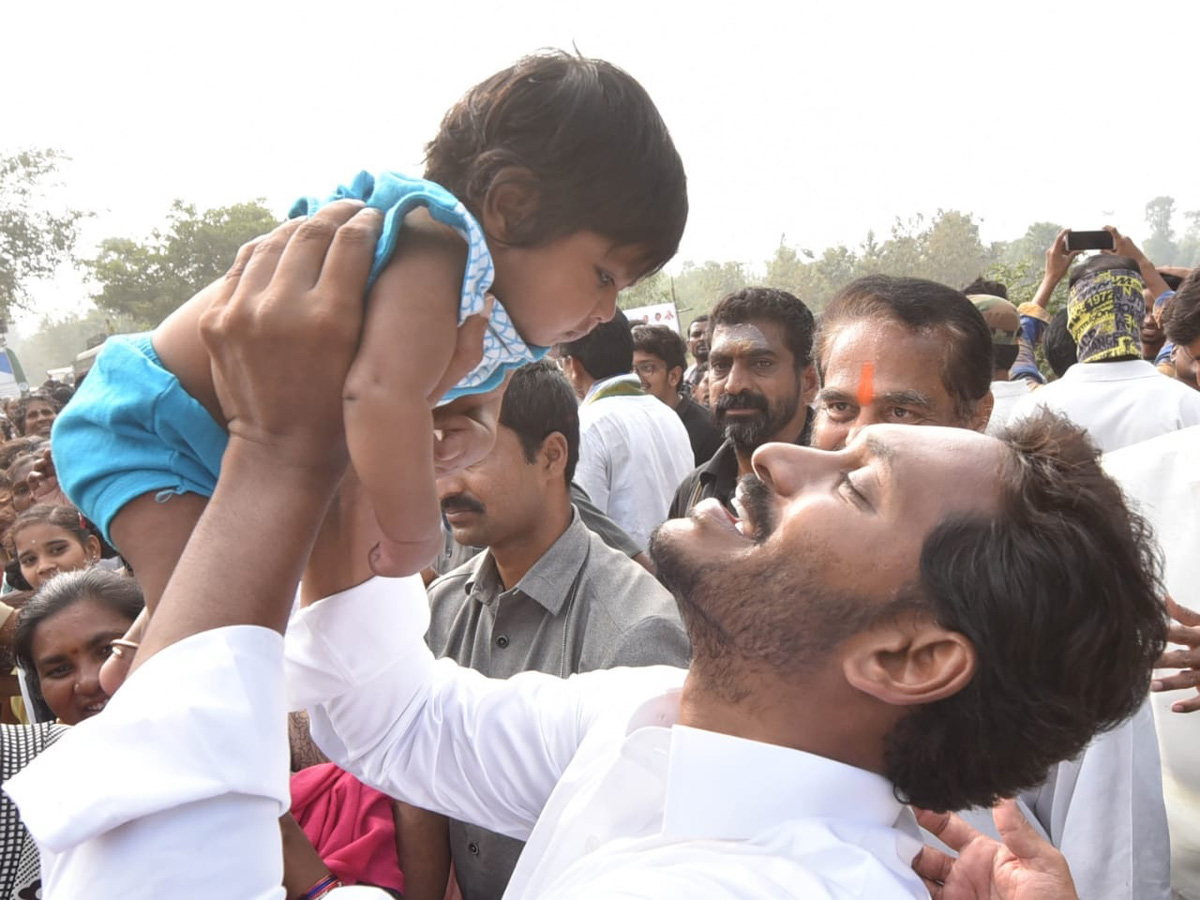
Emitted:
pixel 866 384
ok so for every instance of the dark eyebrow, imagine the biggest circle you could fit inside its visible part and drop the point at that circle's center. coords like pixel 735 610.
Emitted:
pixel 908 398
pixel 827 394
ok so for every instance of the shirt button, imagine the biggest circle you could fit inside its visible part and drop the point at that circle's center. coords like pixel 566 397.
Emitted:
pixel 473 847
pixel 502 641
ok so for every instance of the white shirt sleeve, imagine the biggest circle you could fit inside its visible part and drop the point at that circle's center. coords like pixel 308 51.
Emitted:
pixel 592 472
pixel 428 732
pixel 176 789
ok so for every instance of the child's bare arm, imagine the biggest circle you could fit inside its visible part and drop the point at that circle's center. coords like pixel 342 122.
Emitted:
pixel 408 342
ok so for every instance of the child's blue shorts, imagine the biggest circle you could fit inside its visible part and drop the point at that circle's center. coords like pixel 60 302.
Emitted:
pixel 132 429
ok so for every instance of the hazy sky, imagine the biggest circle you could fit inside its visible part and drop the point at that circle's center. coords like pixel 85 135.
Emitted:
pixel 812 120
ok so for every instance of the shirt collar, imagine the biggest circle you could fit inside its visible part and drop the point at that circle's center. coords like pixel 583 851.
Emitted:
pixel 721 787
pixel 547 581
pixel 597 385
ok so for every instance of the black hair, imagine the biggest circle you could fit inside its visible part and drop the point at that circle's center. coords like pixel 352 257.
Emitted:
pixel 702 318
pixel 119 593
pixel 594 146
pixel 1101 262
pixel 981 286
pixel 11 451
pixel 1181 320
pixel 923 307
pixel 68 518
pixel 663 342
pixel 538 402
pixel 1059 592
pixel 1005 355
pixel 1058 346
pixel 1173 281
pixel 24 403
pixel 774 305
pixel 605 351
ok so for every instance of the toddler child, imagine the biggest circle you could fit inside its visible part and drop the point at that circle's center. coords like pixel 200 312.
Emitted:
pixel 550 187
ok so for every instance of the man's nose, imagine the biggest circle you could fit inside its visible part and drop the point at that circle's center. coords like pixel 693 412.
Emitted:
pixel 786 468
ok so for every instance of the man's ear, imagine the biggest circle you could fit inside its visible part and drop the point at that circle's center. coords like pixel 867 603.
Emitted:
pixel 509 203
pixel 674 377
pixel 909 661
pixel 983 412
pixel 553 454
pixel 809 384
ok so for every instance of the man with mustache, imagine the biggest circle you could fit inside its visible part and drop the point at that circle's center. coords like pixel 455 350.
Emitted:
pixel 547 594
pixel 761 381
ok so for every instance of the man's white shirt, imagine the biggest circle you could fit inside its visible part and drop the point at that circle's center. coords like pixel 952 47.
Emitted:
pixel 633 452
pixel 1117 403
pixel 612 795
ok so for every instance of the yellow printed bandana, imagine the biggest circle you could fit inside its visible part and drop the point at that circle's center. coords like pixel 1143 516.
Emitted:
pixel 1104 315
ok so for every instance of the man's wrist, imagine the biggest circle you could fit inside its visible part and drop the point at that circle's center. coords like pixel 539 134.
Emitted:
pixel 254 462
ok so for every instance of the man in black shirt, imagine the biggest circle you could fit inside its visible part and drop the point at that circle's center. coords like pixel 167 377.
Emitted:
pixel 762 379
pixel 658 360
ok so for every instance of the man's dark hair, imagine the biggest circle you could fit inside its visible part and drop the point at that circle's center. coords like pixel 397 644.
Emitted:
pixel 702 318
pixel 1101 262
pixel 981 286
pixel 1059 591
pixel 597 152
pixel 663 342
pixel 605 351
pixel 923 307
pixel 1058 346
pixel 774 305
pixel 1173 281
pixel 538 402
pixel 1181 320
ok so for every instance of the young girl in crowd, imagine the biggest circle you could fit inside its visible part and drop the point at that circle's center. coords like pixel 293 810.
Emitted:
pixel 66 632
pixel 551 186
pixel 51 539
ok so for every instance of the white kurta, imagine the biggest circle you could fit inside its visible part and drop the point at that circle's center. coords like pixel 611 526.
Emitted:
pixel 613 796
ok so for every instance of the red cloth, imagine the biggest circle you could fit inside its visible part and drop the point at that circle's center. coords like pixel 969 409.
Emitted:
pixel 349 824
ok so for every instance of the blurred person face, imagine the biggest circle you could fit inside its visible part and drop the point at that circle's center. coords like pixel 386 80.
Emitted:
pixel 44 550
pixel 1187 369
pixel 21 492
pixel 755 392
pixel 69 648
pixel 496 499
pixel 697 342
pixel 656 379
pixel 878 372
pixel 702 394
pixel 39 417
pixel 1152 333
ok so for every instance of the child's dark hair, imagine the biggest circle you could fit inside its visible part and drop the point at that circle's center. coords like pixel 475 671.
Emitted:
pixel 598 153
pixel 68 518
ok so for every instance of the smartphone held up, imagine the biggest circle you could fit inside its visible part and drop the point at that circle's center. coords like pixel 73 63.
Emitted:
pixel 1089 240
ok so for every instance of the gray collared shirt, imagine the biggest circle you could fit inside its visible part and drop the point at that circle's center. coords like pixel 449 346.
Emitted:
pixel 582 606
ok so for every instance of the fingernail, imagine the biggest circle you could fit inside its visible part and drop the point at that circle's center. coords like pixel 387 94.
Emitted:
pixel 1178 707
pixel 1156 686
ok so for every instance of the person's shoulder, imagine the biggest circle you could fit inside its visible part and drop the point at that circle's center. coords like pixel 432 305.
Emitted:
pixel 452 584
pixel 619 585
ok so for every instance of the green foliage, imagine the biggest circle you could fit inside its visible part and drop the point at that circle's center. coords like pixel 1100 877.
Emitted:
pixel 1160 248
pixel 145 282
pixel 33 241
pixel 694 290
pixel 57 342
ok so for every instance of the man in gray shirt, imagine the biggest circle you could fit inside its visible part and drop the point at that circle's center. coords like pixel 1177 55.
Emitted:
pixel 547 594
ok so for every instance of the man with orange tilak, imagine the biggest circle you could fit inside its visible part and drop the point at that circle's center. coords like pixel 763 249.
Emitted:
pixel 913 352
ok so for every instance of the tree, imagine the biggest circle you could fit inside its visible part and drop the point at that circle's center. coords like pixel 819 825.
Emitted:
pixel 57 342
pixel 33 240
pixel 147 281
pixel 1160 248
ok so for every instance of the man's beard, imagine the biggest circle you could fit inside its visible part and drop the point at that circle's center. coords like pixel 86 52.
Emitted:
pixel 765 606
pixel 750 433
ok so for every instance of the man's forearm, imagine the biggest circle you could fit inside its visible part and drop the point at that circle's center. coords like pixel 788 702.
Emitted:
pixel 254 536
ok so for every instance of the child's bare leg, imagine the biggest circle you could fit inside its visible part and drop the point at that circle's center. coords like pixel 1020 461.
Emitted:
pixel 150 536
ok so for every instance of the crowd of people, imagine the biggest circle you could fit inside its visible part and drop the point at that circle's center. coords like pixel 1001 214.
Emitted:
pixel 480 590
